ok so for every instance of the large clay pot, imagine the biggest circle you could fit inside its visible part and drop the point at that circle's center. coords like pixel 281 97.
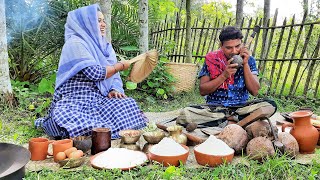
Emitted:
pixel 304 132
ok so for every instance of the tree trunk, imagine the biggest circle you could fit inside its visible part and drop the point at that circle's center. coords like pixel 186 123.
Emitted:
pixel 5 85
pixel 143 20
pixel 266 12
pixel 239 12
pixel 188 33
pixel 105 6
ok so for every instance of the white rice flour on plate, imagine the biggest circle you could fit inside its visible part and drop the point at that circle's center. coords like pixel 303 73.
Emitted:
pixel 119 158
pixel 214 146
pixel 168 147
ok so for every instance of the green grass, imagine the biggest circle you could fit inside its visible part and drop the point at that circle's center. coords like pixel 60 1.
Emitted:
pixel 272 168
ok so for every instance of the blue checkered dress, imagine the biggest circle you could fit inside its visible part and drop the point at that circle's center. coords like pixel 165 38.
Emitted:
pixel 78 106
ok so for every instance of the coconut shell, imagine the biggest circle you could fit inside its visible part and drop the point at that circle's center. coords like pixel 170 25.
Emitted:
pixel 235 137
pixel 291 146
pixel 260 148
pixel 237 59
pixel 260 128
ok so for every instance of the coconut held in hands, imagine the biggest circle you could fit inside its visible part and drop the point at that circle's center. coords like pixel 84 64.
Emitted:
pixel 235 137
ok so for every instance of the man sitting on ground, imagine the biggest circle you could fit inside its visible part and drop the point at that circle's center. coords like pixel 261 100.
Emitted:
pixel 224 83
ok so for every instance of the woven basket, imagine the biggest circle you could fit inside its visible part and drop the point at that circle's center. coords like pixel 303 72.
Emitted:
pixel 185 75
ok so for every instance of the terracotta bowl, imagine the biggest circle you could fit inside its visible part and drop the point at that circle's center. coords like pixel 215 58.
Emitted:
pixel 129 136
pixel 212 160
pixel 153 137
pixel 170 160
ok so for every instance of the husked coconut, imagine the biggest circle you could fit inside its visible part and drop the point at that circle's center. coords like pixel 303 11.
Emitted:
pixel 260 128
pixel 291 146
pixel 259 148
pixel 235 137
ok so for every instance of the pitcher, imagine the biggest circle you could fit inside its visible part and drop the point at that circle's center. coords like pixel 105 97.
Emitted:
pixel 304 132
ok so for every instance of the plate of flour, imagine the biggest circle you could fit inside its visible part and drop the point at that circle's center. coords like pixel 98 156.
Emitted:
pixel 118 158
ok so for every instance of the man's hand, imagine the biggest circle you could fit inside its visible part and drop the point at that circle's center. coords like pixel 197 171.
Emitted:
pixel 245 54
pixel 116 94
pixel 230 69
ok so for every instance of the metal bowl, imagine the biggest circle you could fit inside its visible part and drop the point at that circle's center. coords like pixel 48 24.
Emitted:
pixel 153 137
pixel 13 161
pixel 129 136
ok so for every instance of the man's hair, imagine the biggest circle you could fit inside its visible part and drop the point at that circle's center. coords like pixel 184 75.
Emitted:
pixel 230 33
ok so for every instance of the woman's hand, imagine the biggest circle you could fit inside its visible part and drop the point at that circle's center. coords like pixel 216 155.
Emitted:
pixel 126 65
pixel 116 94
pixel 121 66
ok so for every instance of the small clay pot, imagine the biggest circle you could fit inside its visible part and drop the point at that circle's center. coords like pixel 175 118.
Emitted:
pixel 61 146
pixel 38 148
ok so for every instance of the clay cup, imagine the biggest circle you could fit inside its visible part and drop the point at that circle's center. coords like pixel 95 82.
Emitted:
pixel 38 148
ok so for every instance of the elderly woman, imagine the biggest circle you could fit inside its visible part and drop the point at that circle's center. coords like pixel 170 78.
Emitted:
pixel 88 91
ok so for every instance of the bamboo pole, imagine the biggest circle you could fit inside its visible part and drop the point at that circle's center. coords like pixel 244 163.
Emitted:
pixel 311 69
pixel 293 89
pixel 276 56
pixel 293 54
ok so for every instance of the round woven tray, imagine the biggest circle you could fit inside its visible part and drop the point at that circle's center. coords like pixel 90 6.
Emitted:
pixel 185 75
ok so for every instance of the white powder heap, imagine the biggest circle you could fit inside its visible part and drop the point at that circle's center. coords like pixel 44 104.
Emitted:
pixel 214 146
pixel 119 158
pixel 168 147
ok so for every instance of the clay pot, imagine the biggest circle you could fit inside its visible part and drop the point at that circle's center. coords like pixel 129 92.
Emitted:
pixel 303 131
pixel 101 140
pixel 38 148
pixel 61 146
pixel 177 135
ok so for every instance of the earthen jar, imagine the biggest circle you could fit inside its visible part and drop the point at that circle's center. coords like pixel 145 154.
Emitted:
pixel 61 146
pixel 177 135
pixel 101 140
pixel 303 131
pixel 38 148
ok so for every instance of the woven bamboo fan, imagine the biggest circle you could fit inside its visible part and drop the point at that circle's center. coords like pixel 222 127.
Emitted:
pixel 143 65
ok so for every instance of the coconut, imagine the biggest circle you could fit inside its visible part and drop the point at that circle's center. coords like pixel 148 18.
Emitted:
pixel 235 137
pixel 260 128
pixel 237 59
pixel 259 148
pixel 291 146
